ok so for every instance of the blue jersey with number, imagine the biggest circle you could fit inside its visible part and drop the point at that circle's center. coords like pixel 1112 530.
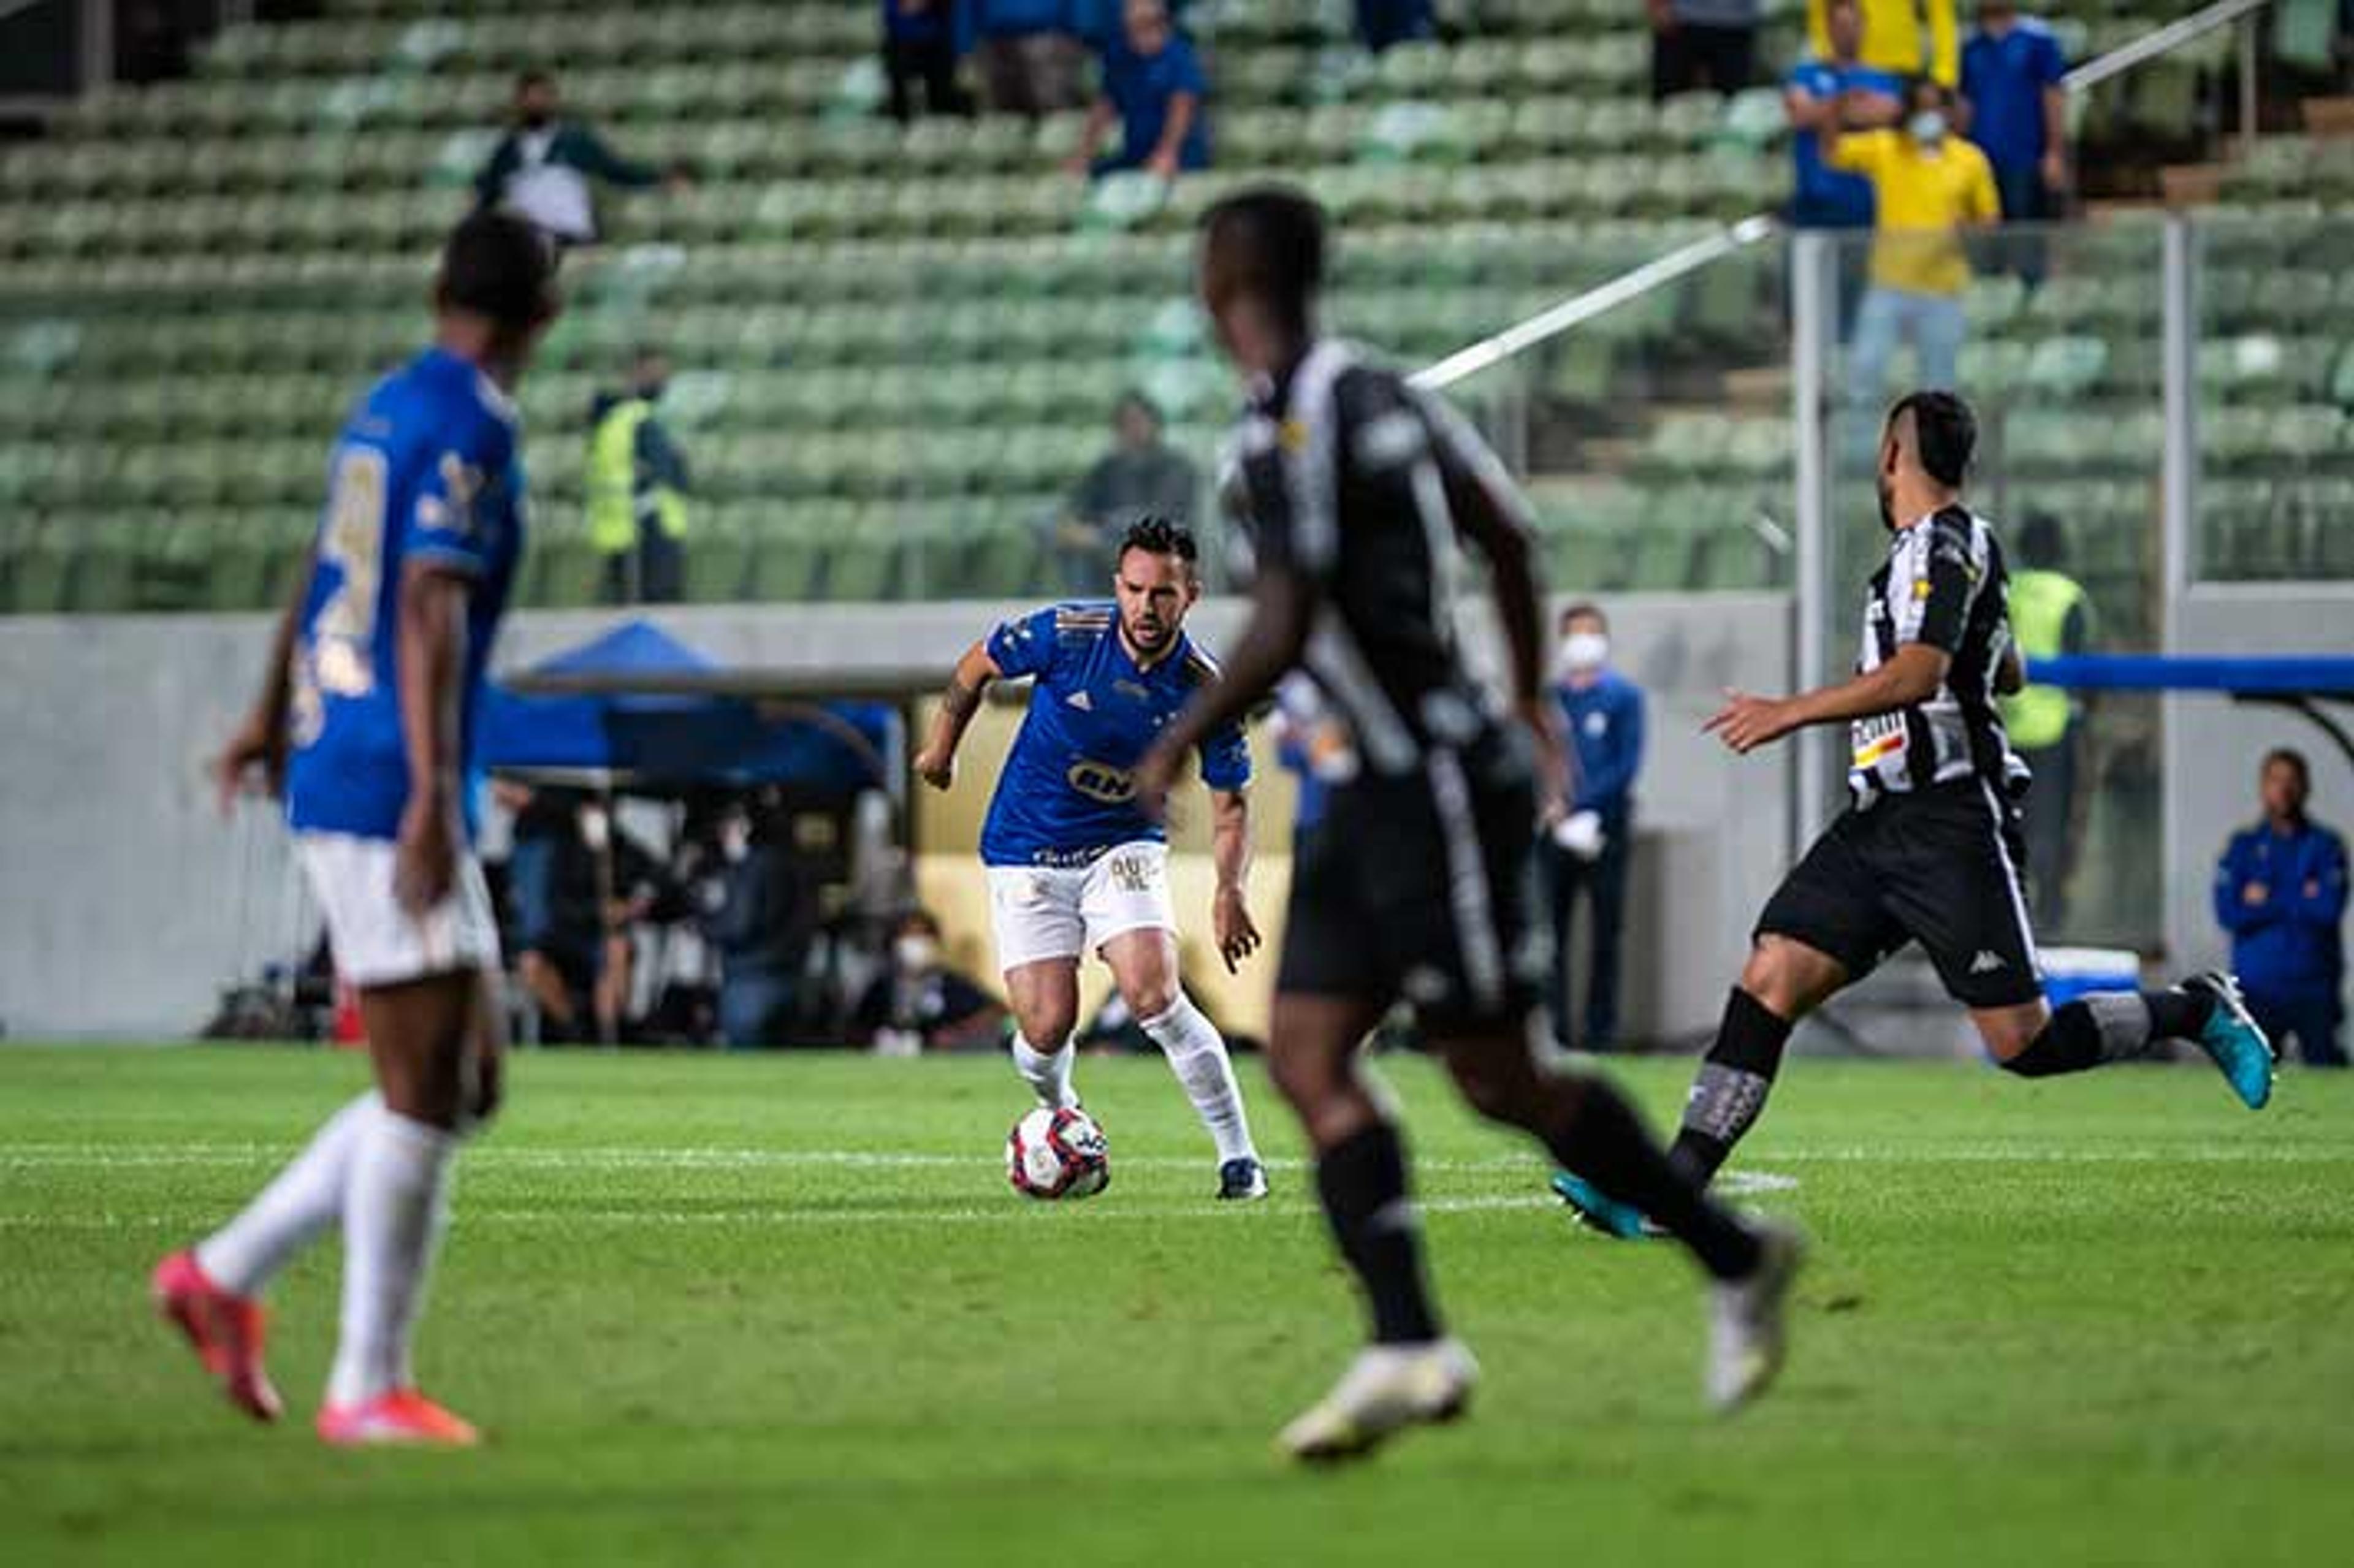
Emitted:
pixel 427 469
pixel 1066 795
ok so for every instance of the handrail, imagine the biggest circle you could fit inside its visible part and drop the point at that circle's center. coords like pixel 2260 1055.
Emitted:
pixel 1636 281
pixel 2165 40
pixel 1628 285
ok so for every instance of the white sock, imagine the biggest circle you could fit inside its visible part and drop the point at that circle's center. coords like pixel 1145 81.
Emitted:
pixel 391 1226
pixel 300 1201
pixel 1049 1078
pixel 1197 1054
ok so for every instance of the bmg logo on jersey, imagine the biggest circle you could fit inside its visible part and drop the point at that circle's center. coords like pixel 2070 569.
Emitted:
pixel 1101 781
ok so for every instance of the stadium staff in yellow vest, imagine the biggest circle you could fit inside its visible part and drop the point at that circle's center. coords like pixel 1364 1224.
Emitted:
pixel 637 484
pixel 2050 615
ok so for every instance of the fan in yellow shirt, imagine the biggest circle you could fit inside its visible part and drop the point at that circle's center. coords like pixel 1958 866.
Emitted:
pixel 1929 185
pixel 1911 37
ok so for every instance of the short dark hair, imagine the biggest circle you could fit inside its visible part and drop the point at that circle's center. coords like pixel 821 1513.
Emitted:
pixel 1945 433
pixel 2293 758
pixel 499 266
pixel 1136 398
pixel 1158 535
pixel 530 78
pixel 920 916
pixel 2041 542
pixel 1584 610
pixel 1272 236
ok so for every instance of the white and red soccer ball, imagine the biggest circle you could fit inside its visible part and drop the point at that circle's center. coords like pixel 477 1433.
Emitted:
pixel 1056 1154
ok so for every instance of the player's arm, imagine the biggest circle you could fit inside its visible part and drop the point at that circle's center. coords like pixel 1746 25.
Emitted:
pixel 936 764
pixel 2009 672
pixel 261 741
pixel 1495 519
pixel 1230 852
pixel 429 643
pixel 1915 673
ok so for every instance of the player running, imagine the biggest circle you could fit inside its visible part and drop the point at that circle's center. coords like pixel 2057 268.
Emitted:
pixel 1928 850
pixel 1074 866
pixel 364 722
pixel 1417 884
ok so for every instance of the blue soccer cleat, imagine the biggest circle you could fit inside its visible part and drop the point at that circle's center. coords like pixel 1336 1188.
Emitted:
pixel 1597 1211
pixel 2233 1039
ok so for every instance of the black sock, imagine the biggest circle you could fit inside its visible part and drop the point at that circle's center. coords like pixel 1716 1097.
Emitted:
pixel 2110 1026
pixel 1363 1183
pixel 1729 1095
pixel 1607 1143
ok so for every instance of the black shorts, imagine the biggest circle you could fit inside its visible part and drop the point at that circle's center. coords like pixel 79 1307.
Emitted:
pixel 1423 886
pixel 1938 866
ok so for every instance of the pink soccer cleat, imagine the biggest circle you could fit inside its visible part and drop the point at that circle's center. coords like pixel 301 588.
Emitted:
pixel 227 1331
pixel 402 1417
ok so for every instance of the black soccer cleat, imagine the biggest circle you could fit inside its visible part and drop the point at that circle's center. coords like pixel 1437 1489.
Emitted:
pixel 1241 1181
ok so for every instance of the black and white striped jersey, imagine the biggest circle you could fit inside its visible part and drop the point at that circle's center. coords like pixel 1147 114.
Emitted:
pixel 1944 584
pixel 1340 472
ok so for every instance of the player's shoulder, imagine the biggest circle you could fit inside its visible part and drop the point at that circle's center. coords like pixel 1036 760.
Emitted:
pixel 1196 666
pixel 456 405
pixel 1078 618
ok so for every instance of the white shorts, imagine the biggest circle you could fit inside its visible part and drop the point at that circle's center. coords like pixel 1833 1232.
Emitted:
pixel 376 942
pixel 1063 911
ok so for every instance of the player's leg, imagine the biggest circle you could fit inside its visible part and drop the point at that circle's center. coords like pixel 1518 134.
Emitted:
pixel 1955 884
pixel 1033 913
pixel 1595 1134
pixel 1144 966
pixel 1411 1371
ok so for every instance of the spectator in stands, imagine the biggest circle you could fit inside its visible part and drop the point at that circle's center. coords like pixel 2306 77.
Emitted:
pixel 2011 71
pixel 540 168
pixel 1926 184
pixel 1589 852
pixel 1911 37
pixel 2050 616
pixel 921 41
pixel 1141 474
pixel 1153 87
pixel 1311 745
pixel 1029 52
pixel 637 485
pixel 2280 891
pixel 1382 23
pixel 1836 89
pixel 761 927
pixel 918 999
pixel 1698 44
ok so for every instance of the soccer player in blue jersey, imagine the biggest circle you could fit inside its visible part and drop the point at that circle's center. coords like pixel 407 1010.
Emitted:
pixel 1074 866
pixel 364 723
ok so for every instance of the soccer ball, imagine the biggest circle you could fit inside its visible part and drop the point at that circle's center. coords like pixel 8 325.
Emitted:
pixel 1057 1154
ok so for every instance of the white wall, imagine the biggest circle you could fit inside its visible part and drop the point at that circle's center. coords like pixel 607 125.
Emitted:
pixel 128 903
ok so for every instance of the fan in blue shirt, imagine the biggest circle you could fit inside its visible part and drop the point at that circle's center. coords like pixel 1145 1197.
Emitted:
pixel 1153 85
pixel 1817 94
pixel 1075 866
pixel 2280 891
pixel 2011 71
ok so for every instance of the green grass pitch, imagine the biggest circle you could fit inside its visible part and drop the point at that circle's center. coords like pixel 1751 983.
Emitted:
pixel 786 1310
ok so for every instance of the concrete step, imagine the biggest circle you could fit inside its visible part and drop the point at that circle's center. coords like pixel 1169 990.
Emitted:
pixel 2329 116
pixel 2192 184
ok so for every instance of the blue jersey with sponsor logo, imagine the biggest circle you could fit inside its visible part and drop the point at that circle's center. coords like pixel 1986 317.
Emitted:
pixel 426 470
pixel 1066 794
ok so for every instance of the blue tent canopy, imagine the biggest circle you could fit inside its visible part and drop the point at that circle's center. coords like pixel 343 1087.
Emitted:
pixel 629 728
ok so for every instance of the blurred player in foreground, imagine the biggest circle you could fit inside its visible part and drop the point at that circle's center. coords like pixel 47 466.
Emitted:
pixel 1419 882
pixel 1929 849
pixel 363 722
pixel 1074 866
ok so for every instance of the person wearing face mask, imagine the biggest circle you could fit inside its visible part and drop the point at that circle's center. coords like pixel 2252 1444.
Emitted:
pixel 918 997
pixel 637 484
pixel 1927 185
pixel 1586 852
pixel 761 927
pixel 541 169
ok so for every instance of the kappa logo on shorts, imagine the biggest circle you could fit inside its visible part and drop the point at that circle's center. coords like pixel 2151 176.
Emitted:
pixel 1986 963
